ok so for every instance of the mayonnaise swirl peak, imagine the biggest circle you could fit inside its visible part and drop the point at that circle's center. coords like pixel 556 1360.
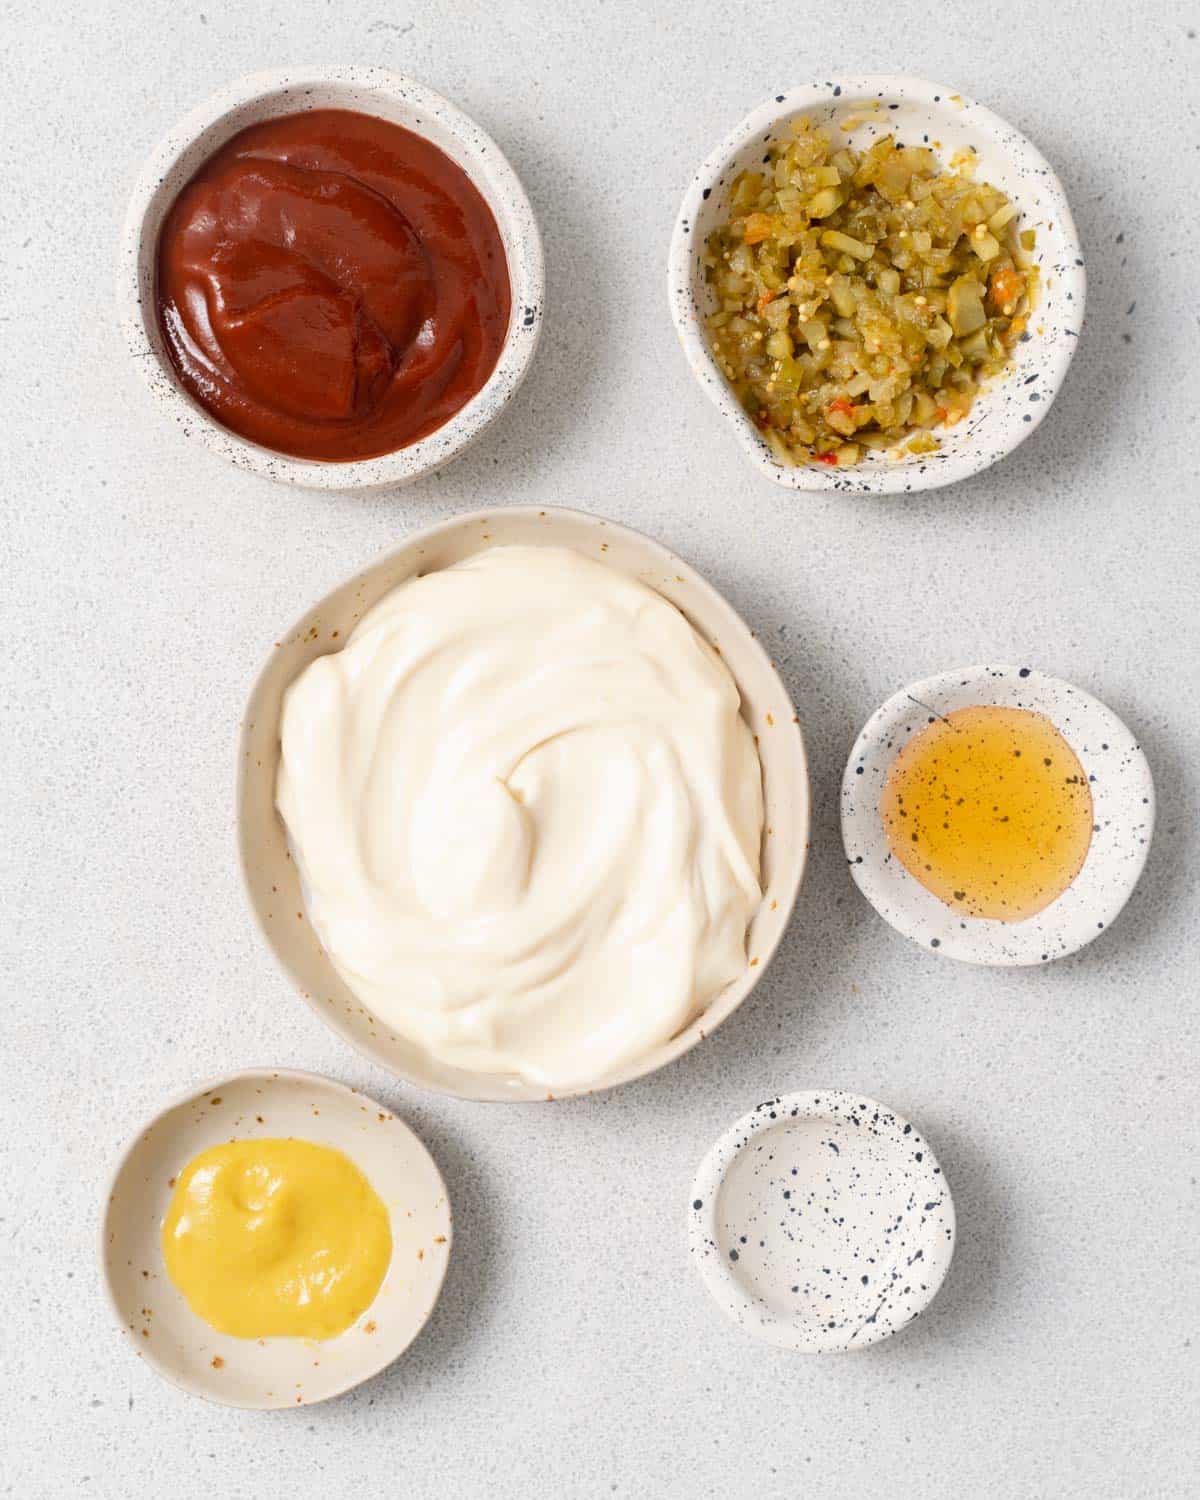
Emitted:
pixel 527 813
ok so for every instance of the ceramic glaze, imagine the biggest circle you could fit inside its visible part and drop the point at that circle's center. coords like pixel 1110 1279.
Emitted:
pixel 821 1222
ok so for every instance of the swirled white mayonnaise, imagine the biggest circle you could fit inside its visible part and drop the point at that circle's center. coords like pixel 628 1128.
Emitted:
pixel 527 813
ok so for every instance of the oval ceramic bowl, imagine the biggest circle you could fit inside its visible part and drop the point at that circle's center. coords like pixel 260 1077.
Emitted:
pixel 1122 800
pixel 821 1222
pixel 271 877
pixel 277 1372
pixel 918 113
pixel 372 91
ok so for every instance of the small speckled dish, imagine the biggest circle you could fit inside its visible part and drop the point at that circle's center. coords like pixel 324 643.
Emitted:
pixel 272 880
pixel 278 1372
pixel 1122 800
pixel 918 113
pixel 371 91
pixel 821 1222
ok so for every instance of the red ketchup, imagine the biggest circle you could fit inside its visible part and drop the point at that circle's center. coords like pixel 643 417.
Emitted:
pixel 332 286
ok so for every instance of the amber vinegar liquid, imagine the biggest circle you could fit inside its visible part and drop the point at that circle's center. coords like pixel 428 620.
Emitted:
pixel 990 810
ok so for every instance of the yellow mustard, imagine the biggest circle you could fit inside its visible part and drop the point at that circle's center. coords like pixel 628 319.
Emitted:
pixel 276 1238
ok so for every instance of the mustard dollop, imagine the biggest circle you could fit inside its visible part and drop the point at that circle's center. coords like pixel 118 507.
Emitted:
pixel 276 1238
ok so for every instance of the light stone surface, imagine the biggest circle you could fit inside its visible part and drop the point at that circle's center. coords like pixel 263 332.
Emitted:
pixel 575 1352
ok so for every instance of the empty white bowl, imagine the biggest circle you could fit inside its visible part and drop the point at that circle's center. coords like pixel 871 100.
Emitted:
pixel 1122 804
pixel 821 1222
pixel 371 91
pixel 152 1313
pixel 271 877
pixel 918 113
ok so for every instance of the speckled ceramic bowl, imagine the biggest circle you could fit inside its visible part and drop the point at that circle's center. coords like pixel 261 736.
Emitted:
pixel 1122 800
pixel 821 1222
pixel 919 113
pixel 372 91
pixel 271 876
pixel 277 1372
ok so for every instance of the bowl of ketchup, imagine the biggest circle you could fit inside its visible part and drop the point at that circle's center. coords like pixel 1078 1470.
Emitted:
pixel 332 277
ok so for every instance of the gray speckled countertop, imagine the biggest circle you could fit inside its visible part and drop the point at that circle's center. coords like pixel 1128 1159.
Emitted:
pixel 574 1352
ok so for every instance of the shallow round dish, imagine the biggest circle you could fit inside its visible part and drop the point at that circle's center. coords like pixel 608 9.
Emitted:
pixel 1122 801
pixel 371 91
pixel 271 877
pixel 821 1222
pixel 918 113
pixel 277 1372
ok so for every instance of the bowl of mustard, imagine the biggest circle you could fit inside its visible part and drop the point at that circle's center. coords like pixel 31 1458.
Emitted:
pixel 273 1239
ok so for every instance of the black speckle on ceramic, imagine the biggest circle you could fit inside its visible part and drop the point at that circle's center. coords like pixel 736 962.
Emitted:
pixel 391 96
pixel 1003 415
pixel 1122 798
pixel 821 1222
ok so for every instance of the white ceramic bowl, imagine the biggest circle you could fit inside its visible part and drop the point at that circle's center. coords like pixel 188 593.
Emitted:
pixel 271 876
pixel 919 113
pixel 1122 801
pixel 821 1222
pixel 277 1372
pixel 372 91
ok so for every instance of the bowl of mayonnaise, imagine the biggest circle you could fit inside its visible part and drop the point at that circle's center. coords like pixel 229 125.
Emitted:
pixel 523 808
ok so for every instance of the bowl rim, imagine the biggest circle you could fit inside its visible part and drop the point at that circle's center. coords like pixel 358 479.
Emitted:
pixel 187 1096
pixel 894 478
pixel 703 1244
pixel 489 1089
pixel 502 191
pixel 1063 927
